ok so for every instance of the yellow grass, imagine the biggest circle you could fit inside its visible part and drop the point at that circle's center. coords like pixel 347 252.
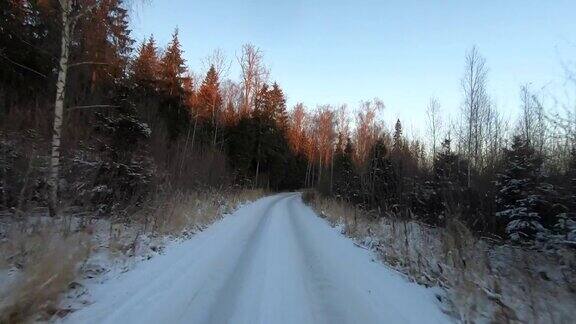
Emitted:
pixel 50 264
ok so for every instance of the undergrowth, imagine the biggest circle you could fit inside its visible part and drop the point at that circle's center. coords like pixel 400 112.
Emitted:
pixel 484 280
pixel 46 257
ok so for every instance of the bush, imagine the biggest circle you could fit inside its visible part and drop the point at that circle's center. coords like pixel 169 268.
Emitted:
pixel 308 196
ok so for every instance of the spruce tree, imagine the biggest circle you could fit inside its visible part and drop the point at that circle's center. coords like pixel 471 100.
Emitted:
pixel 380 179
pixel 449 168
pixel 174 108
pixel 173 67
pixel 346 181
pixel 146 65
pixel 276 106
pixel 518 196
pixel 209 100
pixel 397 145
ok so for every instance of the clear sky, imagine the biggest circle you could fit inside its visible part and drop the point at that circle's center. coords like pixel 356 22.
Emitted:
pixel 400 51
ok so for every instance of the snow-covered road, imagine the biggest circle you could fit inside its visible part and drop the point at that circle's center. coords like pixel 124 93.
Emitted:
pixel 272 261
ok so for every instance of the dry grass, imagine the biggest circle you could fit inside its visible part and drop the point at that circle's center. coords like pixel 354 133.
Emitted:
pixel 49 262
pixel 46 255
pixel 483 281
pixel 172 214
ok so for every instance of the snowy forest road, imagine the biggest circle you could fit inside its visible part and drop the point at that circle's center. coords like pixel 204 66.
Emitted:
pixel 272 261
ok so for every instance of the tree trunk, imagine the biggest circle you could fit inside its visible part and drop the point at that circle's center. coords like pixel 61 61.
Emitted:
pixel 184 151
pixel 257 165
pixel 331 173
pixel 214 122
pixel 59 110
pixel 257 170
pixel 319 169
pixel 194 132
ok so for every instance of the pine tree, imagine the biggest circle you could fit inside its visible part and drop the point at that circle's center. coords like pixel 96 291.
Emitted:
pixel 518 196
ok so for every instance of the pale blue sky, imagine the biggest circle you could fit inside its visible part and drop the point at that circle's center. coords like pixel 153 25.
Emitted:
pixel 400 51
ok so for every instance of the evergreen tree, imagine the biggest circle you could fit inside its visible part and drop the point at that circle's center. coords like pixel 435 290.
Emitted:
pixel 380 180
pixel 174 109
pixel 397 145
pixel 230 114
pixel 173 67
pixel 346 183
pixel 146 66
pixel 449 168
pixel 276 106
pixel 259 151
pixel 271 105
pixel 209 100
pixel 28 45
pixel 110 43
pixel 518 196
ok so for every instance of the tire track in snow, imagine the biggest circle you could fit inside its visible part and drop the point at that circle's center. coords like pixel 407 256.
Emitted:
pixel 273 261
pixel 228 297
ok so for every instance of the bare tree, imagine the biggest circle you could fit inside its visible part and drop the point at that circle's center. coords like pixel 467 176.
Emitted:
pixel 367 128
pixel 297 128
pixel 218 60
pixel 475 104
pixel 434 123
pixel 254 74
pixel 324 135
pixel 342 126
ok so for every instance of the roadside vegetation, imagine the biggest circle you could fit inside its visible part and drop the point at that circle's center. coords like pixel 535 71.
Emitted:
pixel 484 280
pixel 44 258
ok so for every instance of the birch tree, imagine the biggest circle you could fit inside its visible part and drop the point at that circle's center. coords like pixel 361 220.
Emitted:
pixel 253 75
pixel 296 128
pixel 367 128
pixel 70 12
pixel 434 123
pixel 475 103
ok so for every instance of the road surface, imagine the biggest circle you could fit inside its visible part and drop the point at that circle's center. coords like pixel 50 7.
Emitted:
pixel 272 261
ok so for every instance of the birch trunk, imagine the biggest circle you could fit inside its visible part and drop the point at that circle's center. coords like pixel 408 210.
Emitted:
pixel 59 109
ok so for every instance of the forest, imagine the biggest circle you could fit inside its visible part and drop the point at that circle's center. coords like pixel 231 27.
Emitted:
pixel 95 123
pixel 134 120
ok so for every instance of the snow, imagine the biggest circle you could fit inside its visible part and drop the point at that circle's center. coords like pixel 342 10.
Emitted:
pixel 272 261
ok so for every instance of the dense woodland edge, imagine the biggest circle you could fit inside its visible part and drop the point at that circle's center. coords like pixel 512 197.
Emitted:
pixel 137 122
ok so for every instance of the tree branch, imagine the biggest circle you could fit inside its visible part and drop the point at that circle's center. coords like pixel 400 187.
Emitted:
pixel 22 66
pixel 87 63
pixel 84 11
pixel 93 106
